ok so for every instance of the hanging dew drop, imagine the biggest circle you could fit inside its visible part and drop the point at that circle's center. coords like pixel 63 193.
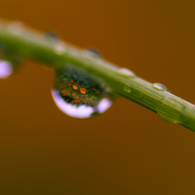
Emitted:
pixel 9 64
pixel 5 69
pixel 80 95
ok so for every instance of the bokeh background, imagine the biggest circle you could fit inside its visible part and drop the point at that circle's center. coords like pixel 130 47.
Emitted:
pixel 128 149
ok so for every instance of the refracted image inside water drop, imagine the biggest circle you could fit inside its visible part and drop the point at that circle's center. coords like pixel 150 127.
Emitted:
pixel 80 95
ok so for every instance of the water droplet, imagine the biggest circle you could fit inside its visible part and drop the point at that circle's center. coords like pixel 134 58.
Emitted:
pixel 59 48
pixel 51 36
pixel 159 87
pixel 165 117
pixel 127 88
pixel 16 27
pixel 93 52
pixel 80 95
pixel 171 108
pixel 9 63
pixel 126 73
pixel 5 69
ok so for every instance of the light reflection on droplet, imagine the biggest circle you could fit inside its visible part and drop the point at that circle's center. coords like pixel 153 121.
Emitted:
pixel 5 69
pixel 72 110
pixel 103 105
pixel 81 111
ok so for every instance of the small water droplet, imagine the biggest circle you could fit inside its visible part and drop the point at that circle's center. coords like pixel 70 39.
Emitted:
pixel 51 36
pixel 171 108
pixel 127 88
pixel 165 117
pixel 126 73
pixel 5 69
pixel 16 27
pixel 93 52
pixel 59 48
pixel 80 95
pixel 159 87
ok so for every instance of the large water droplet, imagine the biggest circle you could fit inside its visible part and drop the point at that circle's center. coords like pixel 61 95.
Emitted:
pixel 159 87
pixel 5 69
pixel 79 94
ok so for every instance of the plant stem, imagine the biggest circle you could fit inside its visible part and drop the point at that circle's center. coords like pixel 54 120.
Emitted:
pixel 33 45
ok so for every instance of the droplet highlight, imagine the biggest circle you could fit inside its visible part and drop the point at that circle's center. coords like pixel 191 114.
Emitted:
pixel 159 87
pixel 80 95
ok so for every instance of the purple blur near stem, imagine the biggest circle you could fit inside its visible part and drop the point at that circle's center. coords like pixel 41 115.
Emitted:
pixel 5 69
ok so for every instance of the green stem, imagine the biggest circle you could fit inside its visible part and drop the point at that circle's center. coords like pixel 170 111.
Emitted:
pixel 33 45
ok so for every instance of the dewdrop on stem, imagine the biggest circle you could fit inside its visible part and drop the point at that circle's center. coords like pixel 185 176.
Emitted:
pixel 80 95
pixel 6 69
pixel 9 64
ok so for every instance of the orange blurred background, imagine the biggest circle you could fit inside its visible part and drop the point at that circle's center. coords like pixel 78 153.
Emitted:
pixel 128 149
